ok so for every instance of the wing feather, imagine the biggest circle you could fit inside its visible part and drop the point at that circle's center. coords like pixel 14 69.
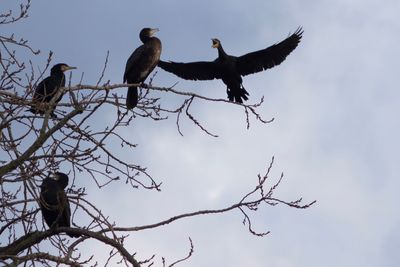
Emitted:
pixel 201 70
pixel 133 60
pixel 269 57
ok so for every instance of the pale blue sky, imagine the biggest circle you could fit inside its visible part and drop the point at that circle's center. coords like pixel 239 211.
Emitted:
pixel 335 136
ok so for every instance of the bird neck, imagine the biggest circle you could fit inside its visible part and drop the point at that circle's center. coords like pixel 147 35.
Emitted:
pixel 58 77
pixel 145 38
pixel 57 72
pixel 221 52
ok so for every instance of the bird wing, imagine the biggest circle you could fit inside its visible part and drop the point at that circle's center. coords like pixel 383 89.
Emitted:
pixel 64 209
pixel 201 70
pixel 43 90
pixel 133 60
pixel 47 88
pixel 269 57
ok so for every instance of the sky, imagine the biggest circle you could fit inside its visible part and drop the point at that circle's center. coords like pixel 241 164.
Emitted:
pixel 335 134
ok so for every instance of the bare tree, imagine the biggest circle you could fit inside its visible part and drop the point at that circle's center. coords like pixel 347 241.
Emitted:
pixel 34 145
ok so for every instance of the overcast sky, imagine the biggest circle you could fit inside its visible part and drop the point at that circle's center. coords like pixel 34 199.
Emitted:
pixel 335 101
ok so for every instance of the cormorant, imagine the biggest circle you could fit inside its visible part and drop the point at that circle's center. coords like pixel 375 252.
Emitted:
pixel 141 63
pixel 47 88
pixel 231 68
pixel 54 202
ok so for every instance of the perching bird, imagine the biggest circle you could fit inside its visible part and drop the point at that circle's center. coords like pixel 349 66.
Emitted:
pixel 231 69
pixel 47 88
pixel 141 63
pixel 54 202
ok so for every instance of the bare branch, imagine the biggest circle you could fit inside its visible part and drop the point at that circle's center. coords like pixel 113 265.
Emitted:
pixel 34 145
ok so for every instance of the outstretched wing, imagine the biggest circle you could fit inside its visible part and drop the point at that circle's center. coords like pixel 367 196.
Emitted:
pixel 201 70
pixel 269 57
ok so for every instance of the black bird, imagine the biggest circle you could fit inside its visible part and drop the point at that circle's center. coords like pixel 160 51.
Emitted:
pixel 47 88
pixel 141 63
pixel 54 202
pixel 231 69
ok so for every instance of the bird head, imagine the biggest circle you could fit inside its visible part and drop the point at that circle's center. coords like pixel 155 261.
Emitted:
pixel 61 178
pixel 215 43
pixel 148 32
pixel 61 67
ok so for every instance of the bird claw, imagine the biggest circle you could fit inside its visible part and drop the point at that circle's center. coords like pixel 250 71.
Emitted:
pixel 143 85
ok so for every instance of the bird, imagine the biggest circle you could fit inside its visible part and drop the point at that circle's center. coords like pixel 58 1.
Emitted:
pixel 230 69
pixel 141 63
pixel 48 87
pixel 54 202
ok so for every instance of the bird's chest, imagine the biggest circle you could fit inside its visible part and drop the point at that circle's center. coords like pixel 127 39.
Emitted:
pixel 151 57
pixel 49 198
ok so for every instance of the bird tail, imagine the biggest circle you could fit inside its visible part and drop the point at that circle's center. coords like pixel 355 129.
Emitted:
pixel 33 110
pixel 243 93
pixel 132 97
pixel 238 94
pixel 73 235
pixel 36 111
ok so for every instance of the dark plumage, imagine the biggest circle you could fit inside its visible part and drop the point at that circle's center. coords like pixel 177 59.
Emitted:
pixel 141 63
pixel 47 88
pixel 231 69
pixel 54 202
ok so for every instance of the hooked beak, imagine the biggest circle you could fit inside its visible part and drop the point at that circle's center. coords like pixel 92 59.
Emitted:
pixel 55 177
pixel 66 67
pixel 214 43
pixel 153 31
